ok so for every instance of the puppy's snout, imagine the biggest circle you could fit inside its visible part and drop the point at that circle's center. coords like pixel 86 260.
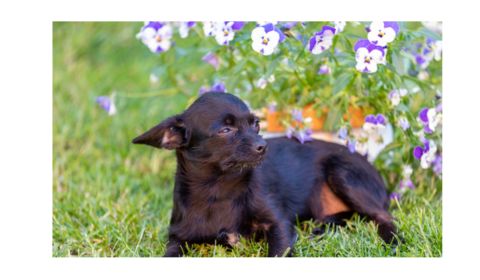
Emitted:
pixel 259 146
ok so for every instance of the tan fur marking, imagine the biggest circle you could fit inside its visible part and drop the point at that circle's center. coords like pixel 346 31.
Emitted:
pixel 331 204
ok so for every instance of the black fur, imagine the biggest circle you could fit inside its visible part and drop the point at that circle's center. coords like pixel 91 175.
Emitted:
pixel 230 182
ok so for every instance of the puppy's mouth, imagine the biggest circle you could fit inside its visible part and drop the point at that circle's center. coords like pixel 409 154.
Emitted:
pixel 238 165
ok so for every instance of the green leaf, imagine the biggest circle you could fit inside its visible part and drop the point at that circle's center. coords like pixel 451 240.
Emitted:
pixel 342 82
pixel 428 33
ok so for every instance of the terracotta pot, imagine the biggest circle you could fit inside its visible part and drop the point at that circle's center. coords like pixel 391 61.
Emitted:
pixel 317 121
pixel 274 121
pixel 356 116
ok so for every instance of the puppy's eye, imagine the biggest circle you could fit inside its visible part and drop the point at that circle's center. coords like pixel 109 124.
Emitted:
pixel 225 130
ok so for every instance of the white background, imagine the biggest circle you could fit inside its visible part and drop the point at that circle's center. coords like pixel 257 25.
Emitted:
pixel 26 140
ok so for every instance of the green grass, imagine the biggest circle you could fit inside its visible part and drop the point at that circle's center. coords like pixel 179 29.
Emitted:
pixel 111 198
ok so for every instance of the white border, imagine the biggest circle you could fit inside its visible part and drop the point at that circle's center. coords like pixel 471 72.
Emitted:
pixel 26 140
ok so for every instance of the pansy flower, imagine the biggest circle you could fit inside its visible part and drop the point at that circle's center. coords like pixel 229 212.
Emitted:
pixel 406 184
pixel 262 82
pixel 343 133
pixel 339 26
pixel 304 135
pixel 437 164
pixel 107 103
pixel 374 123
pixel 368 56
pixel 425 154
pixel 403 123
pixel 265 38
pixel 351 145
pixel 395 196
pixel 209 28
pixel 322 40
pixel 297 115
pixel 433 49
pixel 217 87
pixel 212 59
pixel 395 96
pixel 430 118
pixel 225 31
pixel 156 36
pixel 382 32
pixel 184 28
pixel 407 171
pixel 430 50
pixel 324 70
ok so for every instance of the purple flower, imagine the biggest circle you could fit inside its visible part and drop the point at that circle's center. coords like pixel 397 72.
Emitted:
pixel 223 31
pixel 403 123
pixel 324 70
pixel 184 28
pixel 297 115
pixel 217 87
pixel 430 119
pixel 343 133
pixel 107 104
pixel 322 40
pixel 430 50
pixel 290 24
pixel 303 135
pixel 382 32
pixel 425 154
pixel 406 183
pixel 368 56
pixel 237 25
pixel 396 95
pixel 351 145
pixel 395 196
pixel 374 123
pixel 290 131
pixel 437 164
pixel 266 38
pixel 203 89
pixel 156 36
pixel 212 59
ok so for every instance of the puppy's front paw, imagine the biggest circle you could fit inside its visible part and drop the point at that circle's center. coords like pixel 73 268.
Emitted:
pixel 228 238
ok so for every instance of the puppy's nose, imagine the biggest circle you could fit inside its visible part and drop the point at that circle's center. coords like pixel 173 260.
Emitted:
pixel 259 146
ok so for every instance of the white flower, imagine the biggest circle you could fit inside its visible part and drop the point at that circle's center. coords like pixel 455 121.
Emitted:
pixel 395 96
pixel 322 40
pixel 367 60
pixel 156 36
pixel 407 171
pixel 209 28
pixel 434 118
pixel 261 23
pixel 184 28
pixel 379 34
pixel 339 26
pixel 429 156
pixel 224 33
pixel 264 42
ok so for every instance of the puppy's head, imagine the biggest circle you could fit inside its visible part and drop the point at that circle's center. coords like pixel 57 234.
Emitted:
pixel 217 129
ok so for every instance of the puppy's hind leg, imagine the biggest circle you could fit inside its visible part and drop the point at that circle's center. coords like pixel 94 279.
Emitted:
pixel 332 222
pixel 360 186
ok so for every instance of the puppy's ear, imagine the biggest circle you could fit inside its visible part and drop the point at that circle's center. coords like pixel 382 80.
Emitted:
pixel 169 134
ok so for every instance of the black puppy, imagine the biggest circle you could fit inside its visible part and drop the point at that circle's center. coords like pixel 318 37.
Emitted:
pixel 229 181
